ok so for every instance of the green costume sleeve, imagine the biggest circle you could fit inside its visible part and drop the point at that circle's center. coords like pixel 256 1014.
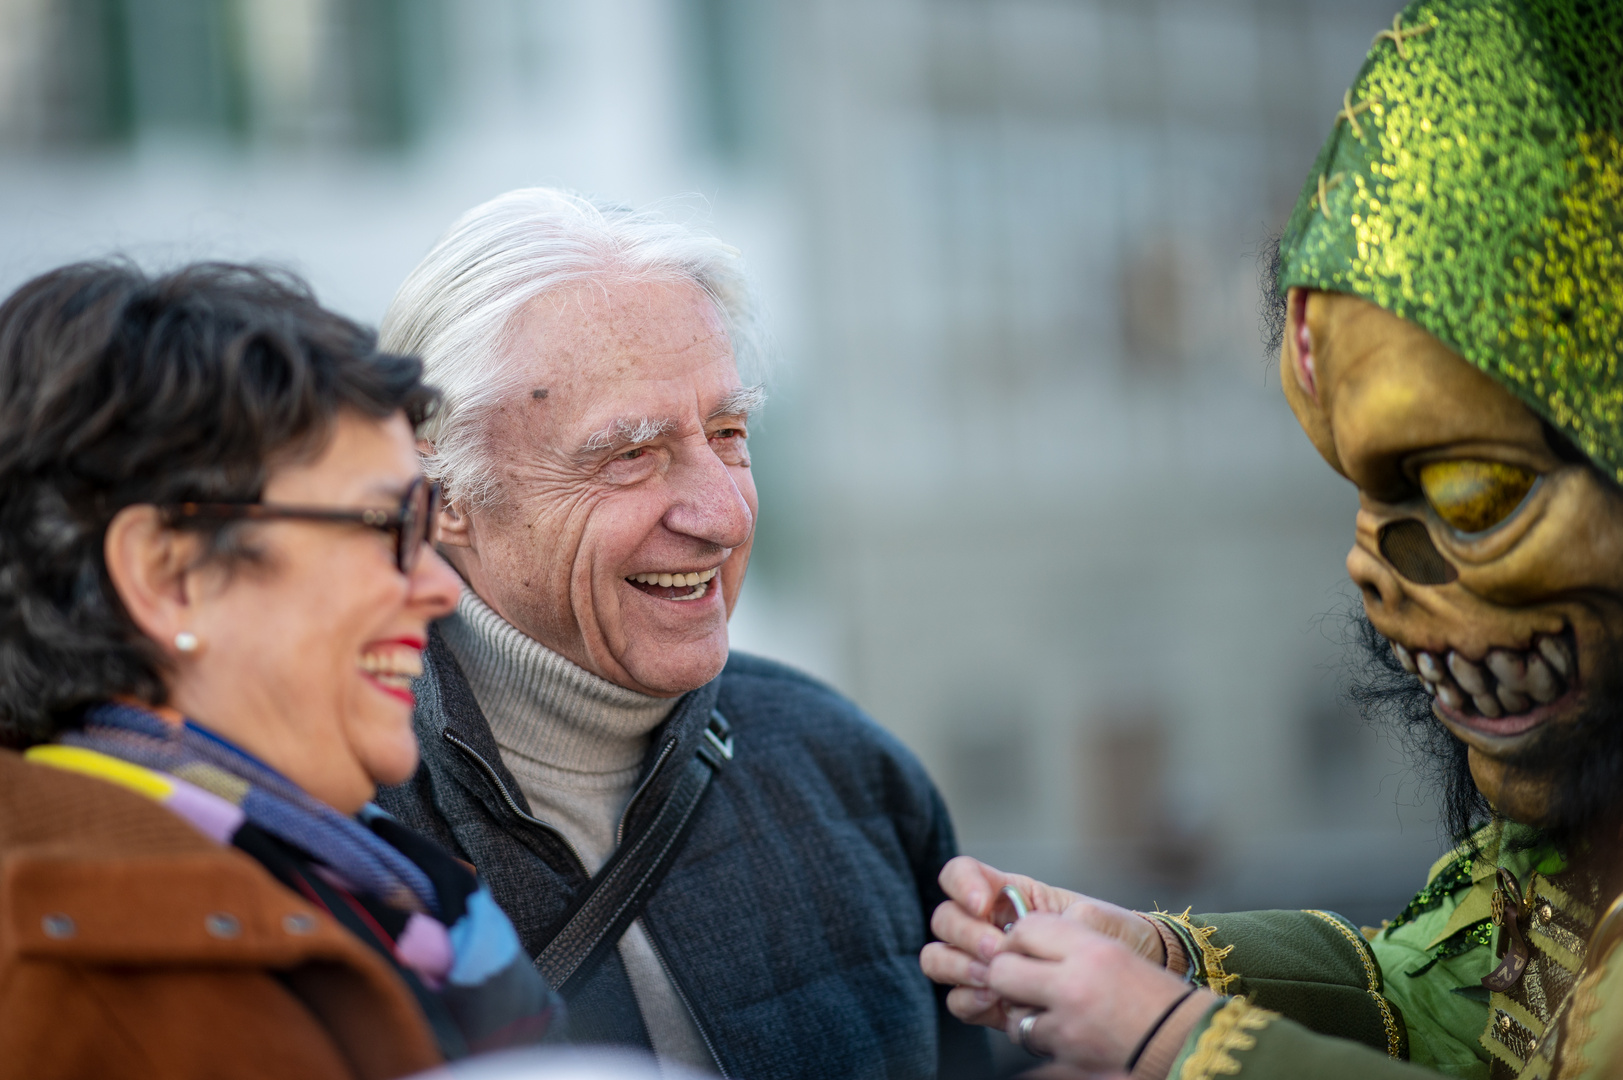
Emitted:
pixel 1238 1038
pixel 1312 966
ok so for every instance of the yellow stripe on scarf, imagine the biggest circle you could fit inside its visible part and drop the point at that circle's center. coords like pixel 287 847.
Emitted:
pixel 77 759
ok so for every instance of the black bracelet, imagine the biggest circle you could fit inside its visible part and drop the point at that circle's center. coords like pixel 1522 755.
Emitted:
pixel 1144 1043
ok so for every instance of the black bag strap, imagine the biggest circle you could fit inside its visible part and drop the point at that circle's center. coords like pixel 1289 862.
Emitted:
pixel 621 890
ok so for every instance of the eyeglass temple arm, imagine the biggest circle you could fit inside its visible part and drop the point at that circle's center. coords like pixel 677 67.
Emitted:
pixel 262 511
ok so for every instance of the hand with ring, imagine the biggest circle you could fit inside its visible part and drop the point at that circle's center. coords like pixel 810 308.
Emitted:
pixel 970 923
pixel 1079 996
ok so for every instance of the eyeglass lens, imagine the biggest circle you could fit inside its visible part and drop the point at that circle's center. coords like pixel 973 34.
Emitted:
pixel 418 512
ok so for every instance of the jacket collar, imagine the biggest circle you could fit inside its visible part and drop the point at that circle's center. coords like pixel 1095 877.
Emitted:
pixel 454 733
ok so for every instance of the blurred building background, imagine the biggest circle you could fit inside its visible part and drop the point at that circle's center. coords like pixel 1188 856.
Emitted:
pixel 1030 492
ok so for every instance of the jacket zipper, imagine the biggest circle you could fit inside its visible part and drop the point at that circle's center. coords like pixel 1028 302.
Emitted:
pixel 659 763
pixel 512 803
pixel 659 954
pixel 619 838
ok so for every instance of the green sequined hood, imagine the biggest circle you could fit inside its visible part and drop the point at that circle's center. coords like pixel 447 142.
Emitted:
pixel 1473 184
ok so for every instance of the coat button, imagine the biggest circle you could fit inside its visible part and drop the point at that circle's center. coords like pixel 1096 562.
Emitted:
pixel 299 924
pixel 222 925
pixel 58 926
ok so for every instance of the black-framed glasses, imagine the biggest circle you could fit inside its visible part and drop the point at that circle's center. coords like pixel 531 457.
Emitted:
pixel 412 525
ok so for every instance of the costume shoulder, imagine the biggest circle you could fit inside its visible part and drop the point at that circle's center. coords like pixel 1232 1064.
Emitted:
pixel 1591 1043
pixel 1435 952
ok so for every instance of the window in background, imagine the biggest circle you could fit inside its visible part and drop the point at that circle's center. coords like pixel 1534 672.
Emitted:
pixel 320 72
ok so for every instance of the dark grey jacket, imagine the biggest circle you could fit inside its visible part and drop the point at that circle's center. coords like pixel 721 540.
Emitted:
pixel 792 920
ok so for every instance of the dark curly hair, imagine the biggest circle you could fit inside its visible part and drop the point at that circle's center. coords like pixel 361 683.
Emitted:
pixel 118 388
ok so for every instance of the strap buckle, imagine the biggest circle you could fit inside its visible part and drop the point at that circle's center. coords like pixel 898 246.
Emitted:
pixel 720 734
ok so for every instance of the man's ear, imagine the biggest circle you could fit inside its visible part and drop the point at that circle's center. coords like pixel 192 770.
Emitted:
pixel 153 570
pixel 453 529
pixel 456 528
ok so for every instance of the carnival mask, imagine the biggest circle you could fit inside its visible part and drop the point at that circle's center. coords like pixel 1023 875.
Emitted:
pixel 1488 551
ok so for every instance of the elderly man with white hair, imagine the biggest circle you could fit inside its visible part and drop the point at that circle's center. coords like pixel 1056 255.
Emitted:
pixel 709 854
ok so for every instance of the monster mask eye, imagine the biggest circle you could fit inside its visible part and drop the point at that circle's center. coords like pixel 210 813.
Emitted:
pixel 1474 496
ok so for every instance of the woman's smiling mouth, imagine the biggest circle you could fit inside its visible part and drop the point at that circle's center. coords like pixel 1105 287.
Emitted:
pixel 392 665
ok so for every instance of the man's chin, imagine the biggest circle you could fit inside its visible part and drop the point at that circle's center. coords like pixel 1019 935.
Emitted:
pixel 668 669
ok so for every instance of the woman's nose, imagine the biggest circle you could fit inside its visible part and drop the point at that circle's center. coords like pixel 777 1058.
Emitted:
pixel 435 587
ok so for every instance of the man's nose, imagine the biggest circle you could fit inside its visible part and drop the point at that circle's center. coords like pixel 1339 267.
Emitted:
pixel 708 504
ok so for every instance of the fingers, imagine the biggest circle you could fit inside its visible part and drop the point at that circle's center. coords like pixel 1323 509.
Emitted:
pixel 952 967
pixel 1020 980
pixel 1032 1041
pixel 972 883
pixel 957 927
pixel 1047 937
pixel 976 1007
pixel 1129 927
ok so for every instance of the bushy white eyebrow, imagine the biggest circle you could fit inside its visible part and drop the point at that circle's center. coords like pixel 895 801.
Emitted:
pixel 741 402
pixel 626 433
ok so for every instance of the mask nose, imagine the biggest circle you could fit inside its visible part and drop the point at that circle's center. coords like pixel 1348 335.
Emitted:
pixel 1406 545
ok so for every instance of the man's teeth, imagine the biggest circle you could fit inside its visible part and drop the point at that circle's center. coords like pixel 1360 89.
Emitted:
pixel 674 580
pixel 395 669
pixel 1506 682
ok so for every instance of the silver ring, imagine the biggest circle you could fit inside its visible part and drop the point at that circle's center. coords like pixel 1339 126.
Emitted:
pixel 1023 1033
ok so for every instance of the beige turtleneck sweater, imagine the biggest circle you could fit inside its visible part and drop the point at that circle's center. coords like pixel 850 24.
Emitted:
pixel 575 743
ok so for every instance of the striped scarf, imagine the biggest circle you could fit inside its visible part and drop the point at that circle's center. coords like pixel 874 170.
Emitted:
pixel 265 797
pixel 478 988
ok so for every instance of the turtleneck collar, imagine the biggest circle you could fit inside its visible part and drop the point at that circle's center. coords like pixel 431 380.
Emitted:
pixel 543 707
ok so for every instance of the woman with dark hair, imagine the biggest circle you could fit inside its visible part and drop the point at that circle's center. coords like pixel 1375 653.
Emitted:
pixel 216 580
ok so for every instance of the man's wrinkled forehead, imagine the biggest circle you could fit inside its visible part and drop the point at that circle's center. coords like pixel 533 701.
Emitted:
pixel 617 322
pixel 608 354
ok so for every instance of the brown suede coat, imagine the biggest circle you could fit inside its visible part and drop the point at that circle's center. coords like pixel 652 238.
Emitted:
pixel 115 960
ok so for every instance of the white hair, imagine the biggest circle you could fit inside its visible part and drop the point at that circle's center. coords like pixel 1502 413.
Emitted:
pixel 455 309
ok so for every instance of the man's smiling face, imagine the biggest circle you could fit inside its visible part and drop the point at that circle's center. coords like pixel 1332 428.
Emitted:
pixel 624 508
pixel 1487 551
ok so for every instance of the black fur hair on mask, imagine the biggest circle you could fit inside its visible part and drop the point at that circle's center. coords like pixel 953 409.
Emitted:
pixel 1586 808
pixel 1273 309
pixel 1392 700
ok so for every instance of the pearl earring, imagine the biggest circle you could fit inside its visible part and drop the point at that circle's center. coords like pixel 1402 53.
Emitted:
pixel 186 641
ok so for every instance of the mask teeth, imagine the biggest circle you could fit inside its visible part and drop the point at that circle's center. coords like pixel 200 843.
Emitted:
pixel 1505 682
